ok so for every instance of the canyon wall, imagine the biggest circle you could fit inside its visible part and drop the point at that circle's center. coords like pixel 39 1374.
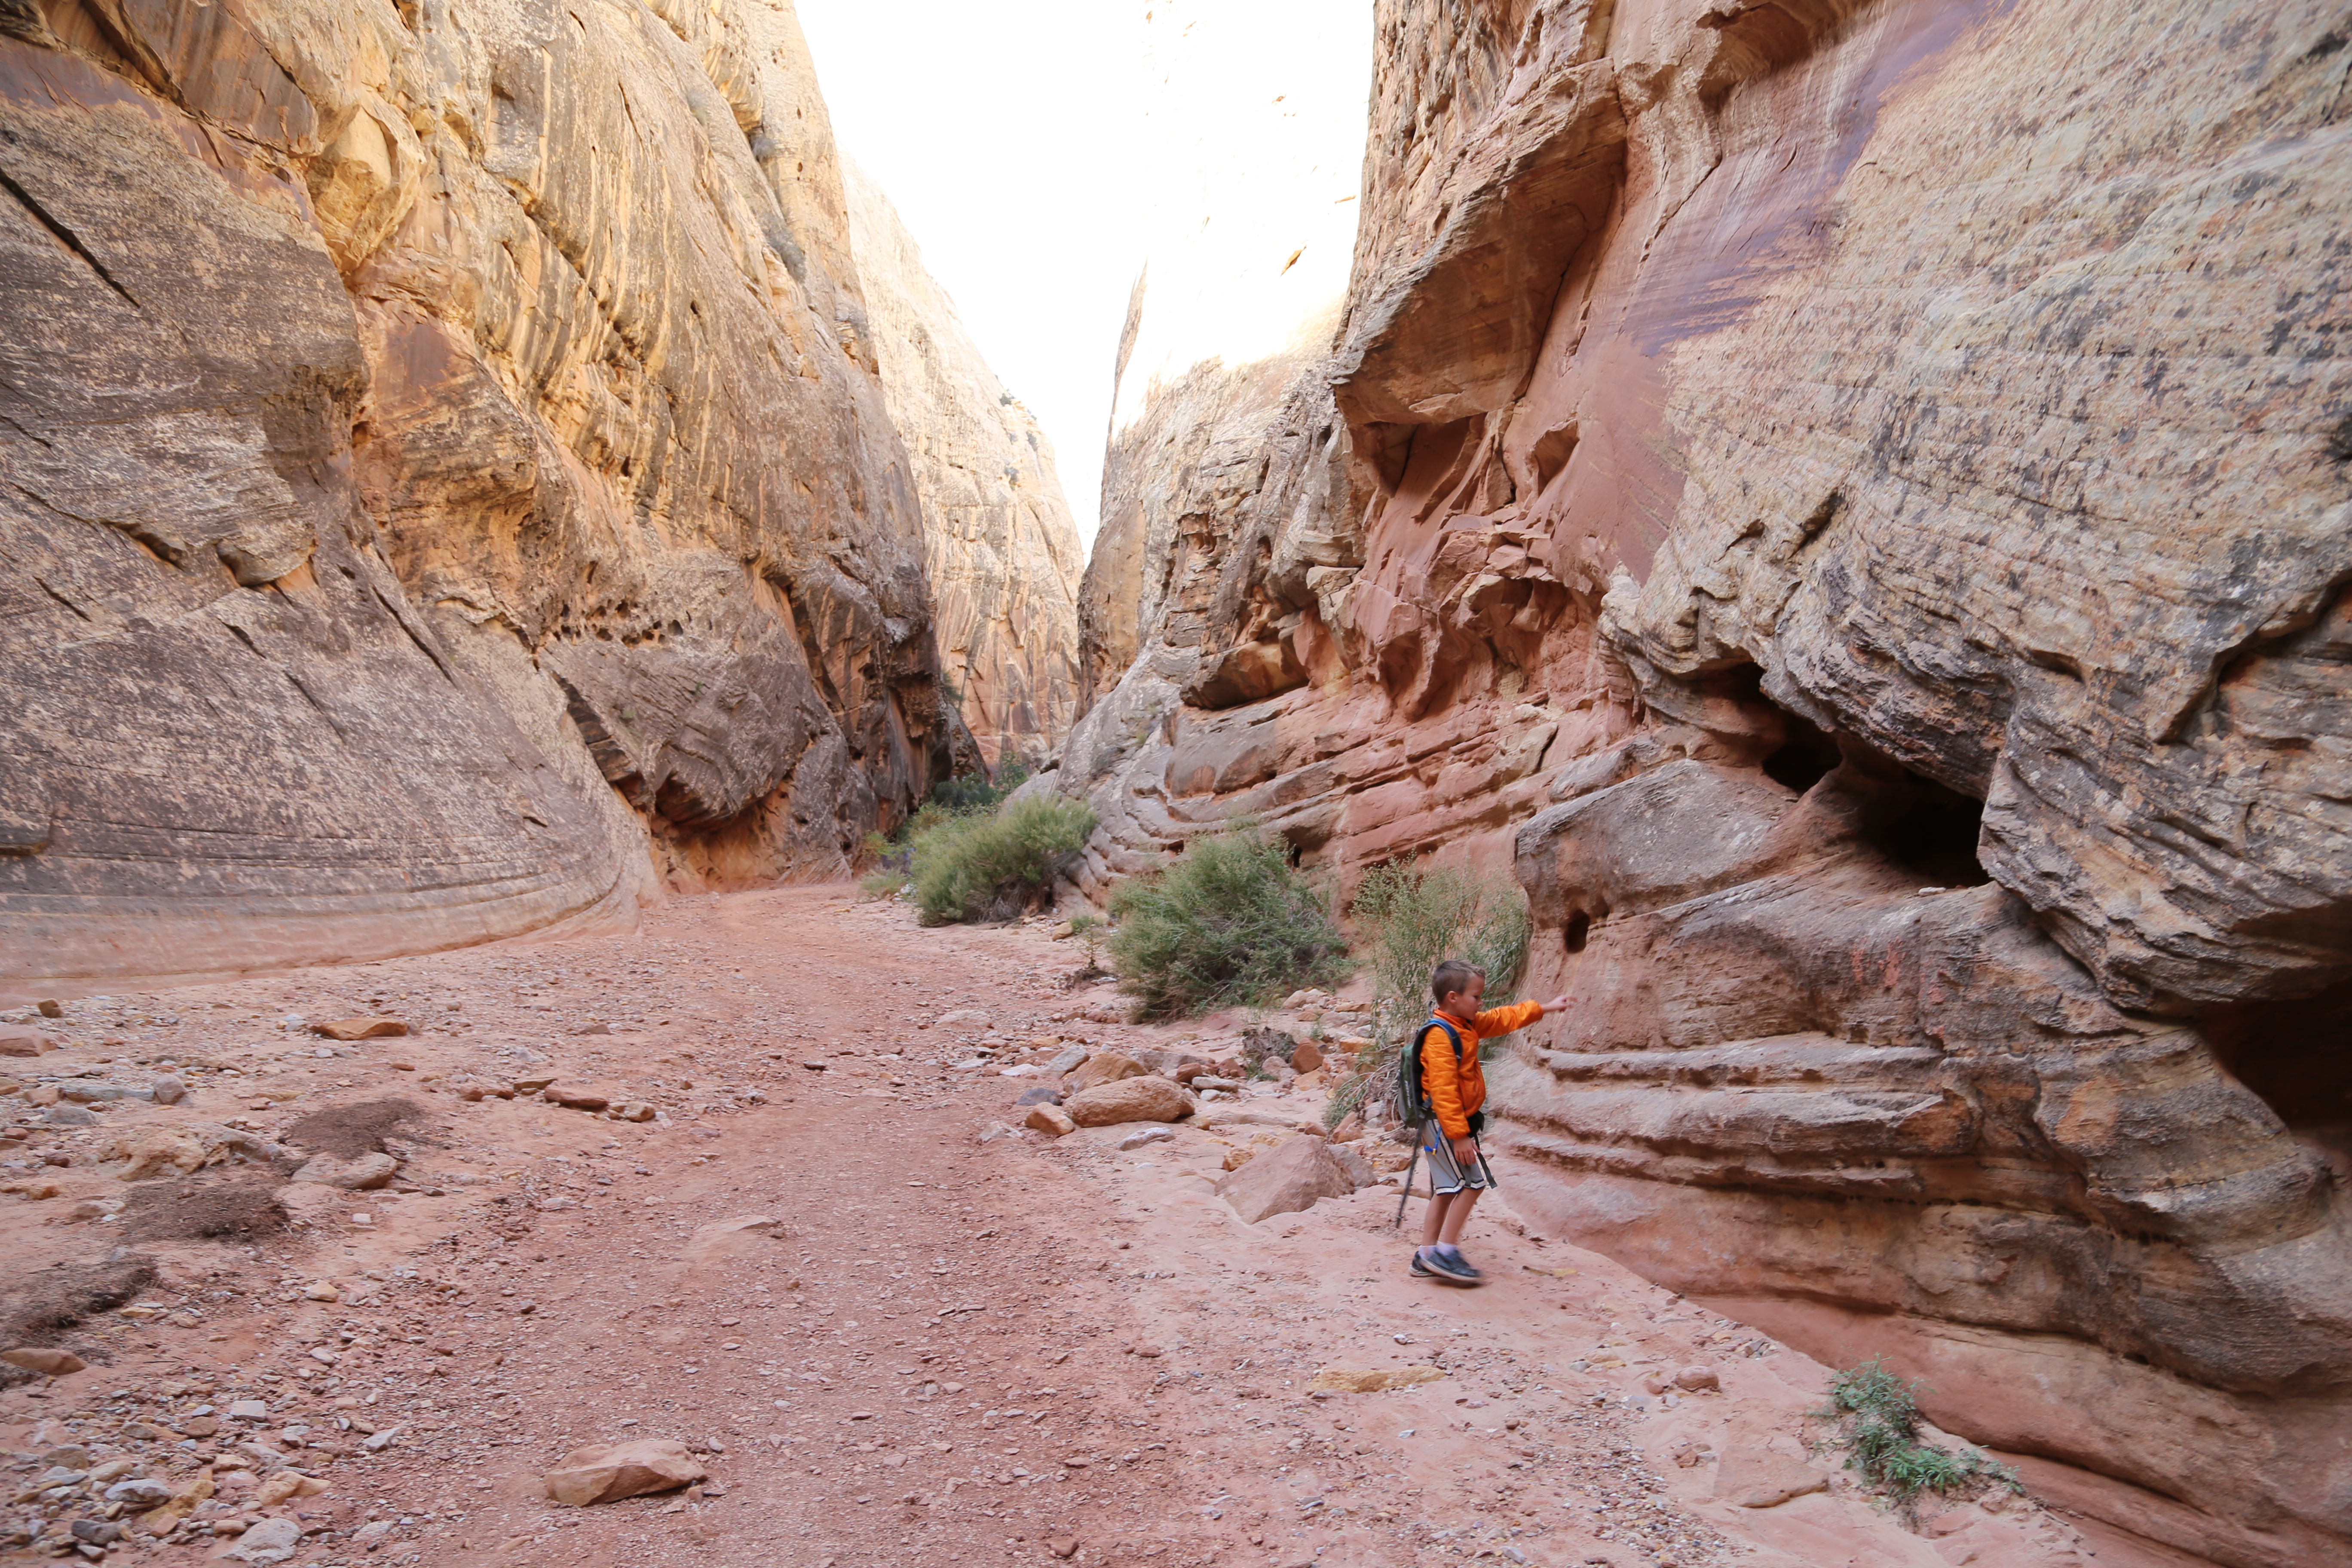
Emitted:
pixel 1850 503
pixel 449 485
pixel 999 549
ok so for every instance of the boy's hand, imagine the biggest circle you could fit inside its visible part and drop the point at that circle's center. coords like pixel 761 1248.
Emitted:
pixel 1557 1004
pixel 1465 1151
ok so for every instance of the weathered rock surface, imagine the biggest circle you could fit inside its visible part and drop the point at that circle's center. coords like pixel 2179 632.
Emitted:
pixel 1292 1176
pixel 1000 550
pixel 1106 1066
pixel 1144 1099
pixel 444 454
pixel 607 1472
pixel 1835 497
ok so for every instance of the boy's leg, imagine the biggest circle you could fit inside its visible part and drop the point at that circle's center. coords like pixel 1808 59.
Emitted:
pixel 1432 1225
pixel 1447 1229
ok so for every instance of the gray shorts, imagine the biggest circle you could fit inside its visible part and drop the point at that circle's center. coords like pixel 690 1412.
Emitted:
pixel 1448 1176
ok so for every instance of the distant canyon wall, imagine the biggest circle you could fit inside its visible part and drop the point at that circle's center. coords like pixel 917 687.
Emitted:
pixel 451 484
pixel 999 549
pixel 1850 503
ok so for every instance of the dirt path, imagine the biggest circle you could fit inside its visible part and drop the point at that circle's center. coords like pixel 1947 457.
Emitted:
pixel 890 1340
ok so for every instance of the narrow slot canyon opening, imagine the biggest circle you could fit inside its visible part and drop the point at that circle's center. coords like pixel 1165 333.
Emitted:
pixel 1574 934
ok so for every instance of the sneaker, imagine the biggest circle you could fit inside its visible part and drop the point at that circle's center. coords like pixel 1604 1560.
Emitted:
pixel 1448 1264
pixel 1452 1263
pixel 1421 1270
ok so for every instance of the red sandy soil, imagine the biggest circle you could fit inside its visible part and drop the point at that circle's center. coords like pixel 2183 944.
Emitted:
pixel 942 1350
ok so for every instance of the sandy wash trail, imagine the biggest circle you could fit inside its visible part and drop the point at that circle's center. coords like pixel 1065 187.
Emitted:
pixel 890 1328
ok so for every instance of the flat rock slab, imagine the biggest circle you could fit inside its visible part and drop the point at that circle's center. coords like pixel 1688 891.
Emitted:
pixel 1347 1380
pixel 364 1028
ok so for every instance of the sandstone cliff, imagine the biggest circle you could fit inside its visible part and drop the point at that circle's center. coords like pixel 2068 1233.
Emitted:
pixel 444 455
pixel 1000 550
pixel 1847 503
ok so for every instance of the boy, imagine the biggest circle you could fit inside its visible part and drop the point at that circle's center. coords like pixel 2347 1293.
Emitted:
pixel 1455 1089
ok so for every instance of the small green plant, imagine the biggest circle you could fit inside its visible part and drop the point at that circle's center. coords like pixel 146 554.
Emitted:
pixel 1230 923
pixel 1087 932
pixel 1878 1419
pixel 1414 916
pixel 995 865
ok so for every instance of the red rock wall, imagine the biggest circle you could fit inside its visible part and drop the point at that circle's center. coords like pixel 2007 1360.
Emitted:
pixel 1850 503
pixel 446 457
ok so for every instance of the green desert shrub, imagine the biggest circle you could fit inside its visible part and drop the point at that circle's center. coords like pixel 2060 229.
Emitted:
pixel 978 791
pixel 1411 918
pixel 1878 1420
pixel 995 865
pixel 1230 923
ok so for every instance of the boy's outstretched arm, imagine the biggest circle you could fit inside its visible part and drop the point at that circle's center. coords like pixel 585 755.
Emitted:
pixel 1518 1015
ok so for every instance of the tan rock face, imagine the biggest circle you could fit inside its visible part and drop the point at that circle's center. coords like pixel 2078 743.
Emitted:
pixel 1775 489
pixel 1000 550
pixel 446 454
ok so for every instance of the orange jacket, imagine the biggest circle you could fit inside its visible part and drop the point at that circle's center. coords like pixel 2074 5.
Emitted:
pixel 1454 1093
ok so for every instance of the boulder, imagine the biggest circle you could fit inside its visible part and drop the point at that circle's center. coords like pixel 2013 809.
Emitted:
pixel 1288 1179
pixel 18 1041
pixel 1050 1121
pixel 607 1472
pixel 361 1028
pixel 46 1360
pixel 361 1174
pixel 1359 1170
pixel 1105 1067
pixel 578 1095
pixel 1306 1057
pixel 1128 1099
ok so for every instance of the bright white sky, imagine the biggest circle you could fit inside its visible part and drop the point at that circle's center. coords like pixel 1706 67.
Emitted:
pixel 1039 149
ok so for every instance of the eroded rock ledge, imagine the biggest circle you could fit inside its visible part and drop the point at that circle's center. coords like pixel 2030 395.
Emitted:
pixel 1843 500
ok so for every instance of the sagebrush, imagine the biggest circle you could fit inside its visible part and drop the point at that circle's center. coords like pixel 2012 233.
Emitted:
pixel 1878 1417
pixel 995 865
pixel 1411 918
pixel 1231 923
pixel 979 791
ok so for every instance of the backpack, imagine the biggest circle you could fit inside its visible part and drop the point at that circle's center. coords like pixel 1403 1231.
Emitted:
pixel 1412 1100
